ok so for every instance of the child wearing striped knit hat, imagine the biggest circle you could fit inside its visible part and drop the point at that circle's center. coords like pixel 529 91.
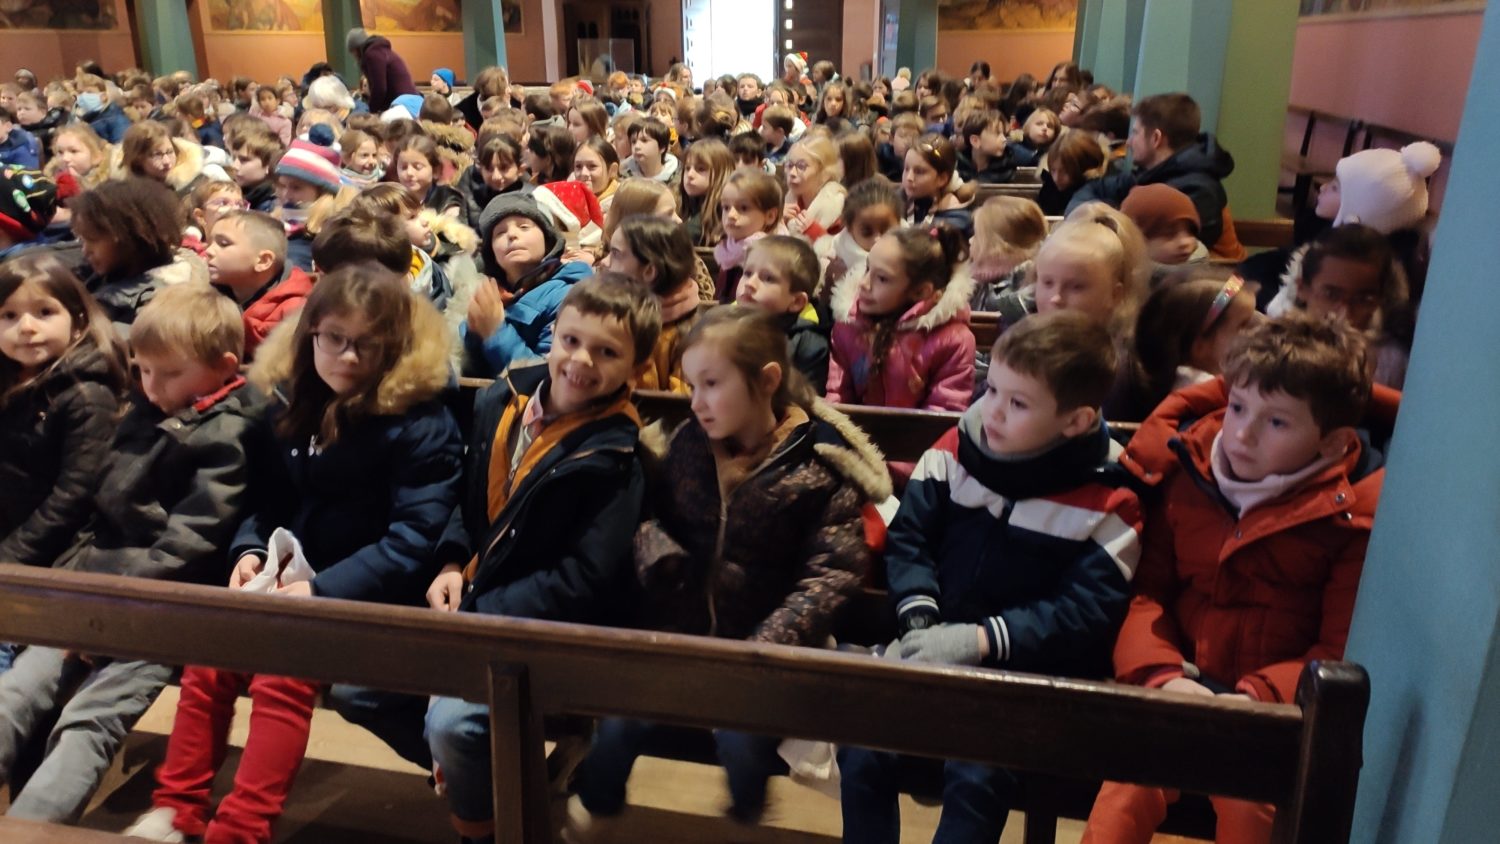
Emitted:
pixel 307 184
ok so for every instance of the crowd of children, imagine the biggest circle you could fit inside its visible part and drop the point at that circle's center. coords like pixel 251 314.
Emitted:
pixel 232 318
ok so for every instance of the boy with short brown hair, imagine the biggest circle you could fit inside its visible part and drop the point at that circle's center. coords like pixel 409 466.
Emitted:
pixel 555 496
pixel 781 275
pixel 1257 540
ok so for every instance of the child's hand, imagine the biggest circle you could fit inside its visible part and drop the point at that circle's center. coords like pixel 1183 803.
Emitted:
pixel 949 644
pixel 297 590
pixel 247 567
pixel 795 219
pixel 1183 685
pixel 582 256
pixel 447 590
pixel 486 310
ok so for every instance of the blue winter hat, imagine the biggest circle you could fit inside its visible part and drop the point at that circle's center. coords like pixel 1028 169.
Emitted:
pixel 446 75
pixel 410 102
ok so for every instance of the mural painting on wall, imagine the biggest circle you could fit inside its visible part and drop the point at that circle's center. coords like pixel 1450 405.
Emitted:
pixel 57 14
pixel 265 15
pixel 1007 14
pixel 1312 8
pixel 427 15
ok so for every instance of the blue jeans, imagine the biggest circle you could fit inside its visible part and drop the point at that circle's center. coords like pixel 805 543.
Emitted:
pixel 748 760
pixel 458 733
pixel 394 718
pixel 976 799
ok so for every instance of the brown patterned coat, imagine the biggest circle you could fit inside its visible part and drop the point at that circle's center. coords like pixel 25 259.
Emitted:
pixel 786 553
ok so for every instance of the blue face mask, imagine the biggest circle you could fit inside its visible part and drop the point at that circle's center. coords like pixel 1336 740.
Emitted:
pixel 90 102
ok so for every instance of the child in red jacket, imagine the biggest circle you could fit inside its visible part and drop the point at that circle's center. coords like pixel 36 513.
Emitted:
pixel 1252 556
pixel 247 262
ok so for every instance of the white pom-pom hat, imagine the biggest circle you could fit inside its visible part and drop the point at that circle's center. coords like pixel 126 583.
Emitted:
pixel 1386 189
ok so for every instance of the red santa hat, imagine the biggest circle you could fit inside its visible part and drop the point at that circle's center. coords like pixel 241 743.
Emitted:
pixel 575 208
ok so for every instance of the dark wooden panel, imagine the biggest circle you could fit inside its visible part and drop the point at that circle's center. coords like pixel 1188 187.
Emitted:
pixel 1069 728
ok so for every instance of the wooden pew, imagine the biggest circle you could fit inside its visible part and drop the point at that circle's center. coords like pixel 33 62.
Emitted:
pixel 1269 234
pixel 1025 191
pixel 901 435
pixel 16 831
pixel 1304 758
pixel 986 328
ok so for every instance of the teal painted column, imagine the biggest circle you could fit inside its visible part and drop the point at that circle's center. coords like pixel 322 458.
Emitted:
pixel 916 36
pixel 166 38
pixel 1253 102
pixel 1118 43
pixel 484 37
pixel 340 16
pixel 1086 33
pixel 1425 624
pixel 1182 48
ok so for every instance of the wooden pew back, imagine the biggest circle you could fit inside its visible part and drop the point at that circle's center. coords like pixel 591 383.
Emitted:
pixel 1305 761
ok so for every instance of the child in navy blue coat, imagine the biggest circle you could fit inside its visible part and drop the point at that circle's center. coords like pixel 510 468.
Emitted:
pixel 1014 548
pixel 360 460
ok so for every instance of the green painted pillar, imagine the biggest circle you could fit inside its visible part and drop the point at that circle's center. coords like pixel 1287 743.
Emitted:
pixel 1253 102
pixel 1086 33
pixel 916 36
pixel 1118 42
pixel 340 16
pixel 1235 58
pixel 484 37
pixel 1425 625
pixel 1183 48
pixel 165 36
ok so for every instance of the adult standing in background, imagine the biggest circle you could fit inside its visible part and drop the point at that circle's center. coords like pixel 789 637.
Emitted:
pixel 384 71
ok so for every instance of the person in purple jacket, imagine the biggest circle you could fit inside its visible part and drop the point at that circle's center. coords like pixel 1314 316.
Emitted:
pixel 384 71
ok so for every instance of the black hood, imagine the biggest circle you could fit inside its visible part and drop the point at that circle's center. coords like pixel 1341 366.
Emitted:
pixel 1204 156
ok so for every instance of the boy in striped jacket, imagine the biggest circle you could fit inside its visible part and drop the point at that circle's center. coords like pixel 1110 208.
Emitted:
pixel 1014 547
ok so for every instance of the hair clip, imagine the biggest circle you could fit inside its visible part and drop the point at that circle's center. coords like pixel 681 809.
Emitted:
pixel 1226 294
pixel 933 231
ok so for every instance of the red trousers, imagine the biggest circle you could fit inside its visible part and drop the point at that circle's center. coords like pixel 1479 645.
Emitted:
pixel 280 719
pixel 1130 814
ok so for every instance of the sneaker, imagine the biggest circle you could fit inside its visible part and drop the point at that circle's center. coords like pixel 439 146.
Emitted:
pixel 156 825
pixel 582 826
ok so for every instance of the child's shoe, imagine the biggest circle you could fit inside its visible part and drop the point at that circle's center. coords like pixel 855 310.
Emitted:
pixel 583 826
pixel 156 825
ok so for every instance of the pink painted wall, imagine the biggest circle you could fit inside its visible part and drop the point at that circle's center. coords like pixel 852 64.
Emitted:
pixel 1010 53
pixel 861 35
pixel 53 53
pixel 1408 73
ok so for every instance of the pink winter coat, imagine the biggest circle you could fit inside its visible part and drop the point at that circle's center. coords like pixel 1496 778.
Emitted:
pixel 930 363
pixel 280 125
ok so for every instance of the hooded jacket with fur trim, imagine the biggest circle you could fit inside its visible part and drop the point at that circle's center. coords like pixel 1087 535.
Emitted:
pixel 371 507
pixel 122 295
pixel 929 364
pixel 185 175
pixel 778 559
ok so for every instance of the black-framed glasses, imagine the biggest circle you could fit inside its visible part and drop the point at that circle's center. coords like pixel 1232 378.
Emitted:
pixel 335 344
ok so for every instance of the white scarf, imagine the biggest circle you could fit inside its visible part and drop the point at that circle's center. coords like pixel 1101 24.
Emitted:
pixel 1247 495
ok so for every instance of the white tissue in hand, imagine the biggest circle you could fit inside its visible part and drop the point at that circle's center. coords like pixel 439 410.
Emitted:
pixel 285 564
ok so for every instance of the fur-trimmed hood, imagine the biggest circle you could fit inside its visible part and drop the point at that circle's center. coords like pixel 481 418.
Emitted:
pixel 452 230
pixel 190 162
pixel 923 316
pixel 838 442
pixel 420 375
pixel 1291 280
pixel 450 137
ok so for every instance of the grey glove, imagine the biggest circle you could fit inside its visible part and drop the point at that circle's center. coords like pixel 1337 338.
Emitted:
pixel 949 644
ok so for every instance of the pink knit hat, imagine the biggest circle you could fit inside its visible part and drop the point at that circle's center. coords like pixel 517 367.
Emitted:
pixel 314 164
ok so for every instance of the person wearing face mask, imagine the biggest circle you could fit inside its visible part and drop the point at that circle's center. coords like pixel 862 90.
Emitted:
pixel 94 106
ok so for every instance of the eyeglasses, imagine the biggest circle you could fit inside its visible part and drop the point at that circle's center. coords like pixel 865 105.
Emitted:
pixel 334 344
pixel 1338 297
pixel 162 154
pixel 799 166
pixel 226 204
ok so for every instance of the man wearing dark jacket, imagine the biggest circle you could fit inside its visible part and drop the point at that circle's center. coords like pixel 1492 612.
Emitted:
pixel 1169 148
pixel 384 71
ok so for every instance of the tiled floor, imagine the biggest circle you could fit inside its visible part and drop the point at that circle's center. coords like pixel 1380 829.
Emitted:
pixel 354 790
